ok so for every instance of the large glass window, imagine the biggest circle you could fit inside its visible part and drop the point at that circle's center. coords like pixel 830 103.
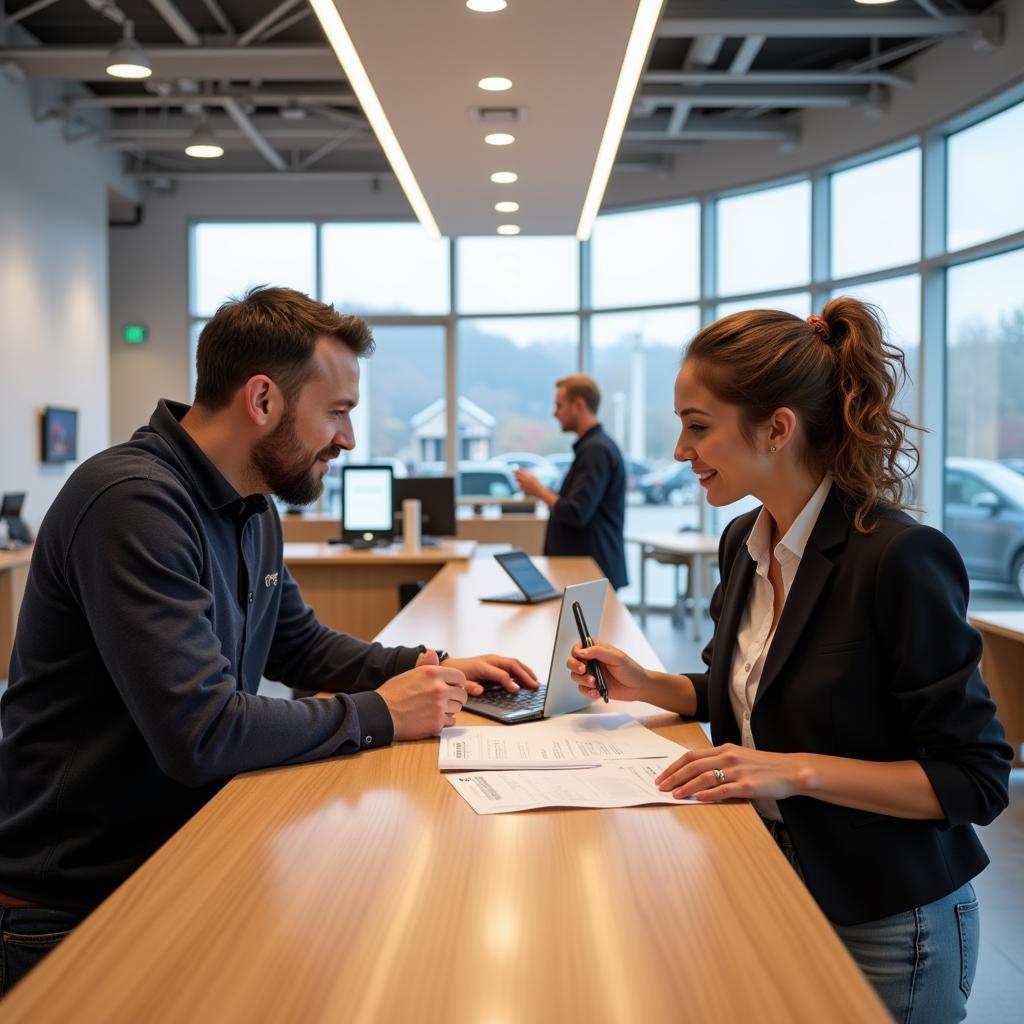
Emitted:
pixel 984 197
pixel 797 303
pixel 899 301
pixel 764 239
pixel 385 268
pixel 646 257
pixel 517 275
pixel 984 490
pixel 229 258
pixel 876 214
pixel 507 368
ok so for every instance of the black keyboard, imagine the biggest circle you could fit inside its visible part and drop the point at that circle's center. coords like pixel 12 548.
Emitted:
pixel 524 700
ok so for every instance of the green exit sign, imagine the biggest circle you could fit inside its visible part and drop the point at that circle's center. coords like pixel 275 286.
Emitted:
pixel 134 334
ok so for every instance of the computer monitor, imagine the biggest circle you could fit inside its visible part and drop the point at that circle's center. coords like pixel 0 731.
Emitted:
pixel 367 516
pixel 436 495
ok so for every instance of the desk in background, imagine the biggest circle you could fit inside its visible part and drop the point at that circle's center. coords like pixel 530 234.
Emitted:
pixel 696 551
pixel 1002 665
pixel 357 591
pixel 365 889
pixel 525 531
pixel 13 577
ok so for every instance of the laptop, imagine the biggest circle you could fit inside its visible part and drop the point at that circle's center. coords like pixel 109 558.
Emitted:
pixel 534 586
pixel 559 695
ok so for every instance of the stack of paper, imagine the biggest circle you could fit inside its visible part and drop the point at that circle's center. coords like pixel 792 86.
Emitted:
pixel 605 760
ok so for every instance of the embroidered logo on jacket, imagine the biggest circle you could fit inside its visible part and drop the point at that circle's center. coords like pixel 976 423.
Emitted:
pixel 270 580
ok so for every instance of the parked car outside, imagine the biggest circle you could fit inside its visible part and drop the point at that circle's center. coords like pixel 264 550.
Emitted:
pixel 539 465
pixel 477 479
pixel 674 484
pixel 985 519
pixel 561 461
pixel 1017 465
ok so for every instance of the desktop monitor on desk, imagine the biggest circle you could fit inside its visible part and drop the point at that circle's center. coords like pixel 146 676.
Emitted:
pixel 436 495
pixel 367 515
pixel 10 513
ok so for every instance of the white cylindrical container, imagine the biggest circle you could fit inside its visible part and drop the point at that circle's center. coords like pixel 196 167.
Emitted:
pixel 411 524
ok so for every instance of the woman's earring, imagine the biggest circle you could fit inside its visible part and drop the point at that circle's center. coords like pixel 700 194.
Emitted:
pixel 773 449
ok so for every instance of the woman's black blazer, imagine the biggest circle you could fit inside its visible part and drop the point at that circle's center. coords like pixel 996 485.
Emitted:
pixel 872 658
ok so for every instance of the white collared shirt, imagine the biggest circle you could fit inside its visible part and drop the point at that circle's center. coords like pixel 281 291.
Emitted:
pixel 755 633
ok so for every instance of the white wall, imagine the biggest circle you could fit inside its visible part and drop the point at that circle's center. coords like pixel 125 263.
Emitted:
pixel 53 293
pixel 149 272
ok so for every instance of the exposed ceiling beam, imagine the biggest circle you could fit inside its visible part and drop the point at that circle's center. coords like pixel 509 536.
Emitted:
pixel 269 63
pixel 896 53
pixel 220 17
pixel 250 34
pixel 776 78
pixel 930 8
pixel 829 28
pixel 717 128
pixel 677 119
pixel 328 147
pixel 284 23
pixel 755 96
pixel 211 100
pixel 746 54
pixel 182 129
pixel 234 110
pixel 178 22
pixel 25 12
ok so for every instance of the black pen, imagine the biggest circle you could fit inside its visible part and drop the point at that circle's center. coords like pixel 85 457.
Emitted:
pixel 588 641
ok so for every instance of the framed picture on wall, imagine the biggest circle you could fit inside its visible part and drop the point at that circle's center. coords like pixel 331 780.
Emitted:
pixel 60 434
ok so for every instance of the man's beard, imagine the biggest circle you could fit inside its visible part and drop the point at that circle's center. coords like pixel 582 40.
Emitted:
pixel 286 467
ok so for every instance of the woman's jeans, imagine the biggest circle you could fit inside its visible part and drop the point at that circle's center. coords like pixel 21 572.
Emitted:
pixel 921 962
pixel 27 934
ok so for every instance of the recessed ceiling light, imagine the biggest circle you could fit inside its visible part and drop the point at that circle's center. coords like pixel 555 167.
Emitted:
pixel 128 59
pixel 486 6
pixel 352 65
pixel 504 177
pixel 495 84
pixel 499 139
pixel 874 3
pixel 508 229
pixel 506 206
pixel 203 144
pixel 644 24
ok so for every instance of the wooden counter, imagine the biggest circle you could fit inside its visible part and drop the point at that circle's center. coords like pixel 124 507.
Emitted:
pixel 357 591
pixel 364 889
pixel 13 576
pixel 525 531
pixel 1002 666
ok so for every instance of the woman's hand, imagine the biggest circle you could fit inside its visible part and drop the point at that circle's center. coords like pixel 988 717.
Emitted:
pixel 744 774
pixel 625 678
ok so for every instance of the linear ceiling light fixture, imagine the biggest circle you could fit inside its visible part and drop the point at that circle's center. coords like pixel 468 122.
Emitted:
pixel 127 59
pixel 341 43
pixel 647 14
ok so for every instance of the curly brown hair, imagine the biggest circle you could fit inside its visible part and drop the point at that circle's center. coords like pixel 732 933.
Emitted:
pixel 839 375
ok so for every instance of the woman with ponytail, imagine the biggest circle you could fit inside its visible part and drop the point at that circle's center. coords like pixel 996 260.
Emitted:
pixel 842 681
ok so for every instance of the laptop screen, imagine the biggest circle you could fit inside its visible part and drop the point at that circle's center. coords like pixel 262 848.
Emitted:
pixel 366 496
pixel 530 580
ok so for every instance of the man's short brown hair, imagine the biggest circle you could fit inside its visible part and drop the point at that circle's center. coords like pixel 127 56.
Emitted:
pixel 579 385
pixel 271 331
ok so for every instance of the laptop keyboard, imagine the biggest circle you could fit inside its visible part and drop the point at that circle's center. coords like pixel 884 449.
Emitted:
pixel 524 700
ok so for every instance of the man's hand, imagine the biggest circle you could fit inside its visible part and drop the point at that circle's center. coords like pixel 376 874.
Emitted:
pixel 488 669
pixel 425 699
pixel 529 484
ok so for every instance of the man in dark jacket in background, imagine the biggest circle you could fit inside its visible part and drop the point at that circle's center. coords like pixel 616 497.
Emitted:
pixel 588 512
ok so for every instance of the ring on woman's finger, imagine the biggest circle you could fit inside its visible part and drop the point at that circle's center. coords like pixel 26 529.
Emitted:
pixel 719 776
